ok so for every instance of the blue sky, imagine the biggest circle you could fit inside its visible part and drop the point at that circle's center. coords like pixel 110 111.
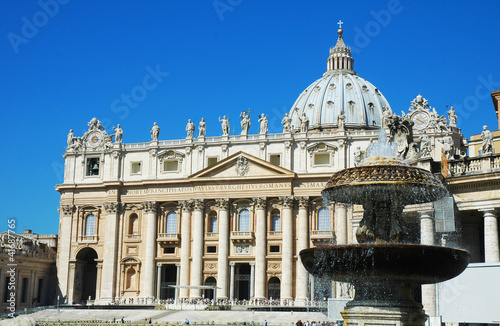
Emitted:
pixel 66 61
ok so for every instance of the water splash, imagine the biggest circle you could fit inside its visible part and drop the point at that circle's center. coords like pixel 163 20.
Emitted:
pixel 383 147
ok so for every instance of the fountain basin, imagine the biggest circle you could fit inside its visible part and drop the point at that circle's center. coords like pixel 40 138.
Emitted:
pixel 382 262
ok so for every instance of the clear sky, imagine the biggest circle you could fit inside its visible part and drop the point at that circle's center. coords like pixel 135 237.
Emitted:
pixel 63 62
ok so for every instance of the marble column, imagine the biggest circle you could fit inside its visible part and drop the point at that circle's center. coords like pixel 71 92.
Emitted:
pixel 491 246
pixel 252 280
pixel 185 246
pixel 223 254
pixel 66 218
pixel 148 281
pixel 287 249
pixel 341 224
pixel 260 248
pixel 302 243
pixel 177 281
pixel 231 282
pixel 427 238
pixel 197 265
pixel 108 282
pixel 158 280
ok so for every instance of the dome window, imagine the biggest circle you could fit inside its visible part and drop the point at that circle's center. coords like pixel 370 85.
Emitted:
pixel 371 106
pixel 329 104
pixel 317 88
pixel 377 91
pixel 351 105
pixel 331 86
pixel 348 86
pixel 365 88
pixel 311 106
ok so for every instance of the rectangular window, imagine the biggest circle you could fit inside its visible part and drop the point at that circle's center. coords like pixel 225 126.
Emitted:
pixel 212 161
pixel 274 249
pixel 275 159
pixel 211 250
pixel 40 290
pixel 135 168
pixel 322 159
pixel 171 166
pixel 24 296
pixel 169 250
pixel 92 166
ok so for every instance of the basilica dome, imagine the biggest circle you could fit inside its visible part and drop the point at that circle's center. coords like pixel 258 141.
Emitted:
pixel 339 90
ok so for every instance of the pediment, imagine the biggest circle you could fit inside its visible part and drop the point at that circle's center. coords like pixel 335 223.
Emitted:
pixel 242 165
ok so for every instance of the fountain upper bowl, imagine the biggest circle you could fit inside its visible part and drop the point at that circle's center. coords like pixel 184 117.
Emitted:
pixel 420 264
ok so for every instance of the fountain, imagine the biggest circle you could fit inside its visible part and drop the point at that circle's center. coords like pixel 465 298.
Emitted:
pixel 387 265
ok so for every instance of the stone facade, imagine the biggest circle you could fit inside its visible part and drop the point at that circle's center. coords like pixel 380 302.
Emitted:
pixel 235 211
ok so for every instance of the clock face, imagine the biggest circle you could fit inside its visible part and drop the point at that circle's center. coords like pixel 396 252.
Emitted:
pixel 94 139
pixel 421 120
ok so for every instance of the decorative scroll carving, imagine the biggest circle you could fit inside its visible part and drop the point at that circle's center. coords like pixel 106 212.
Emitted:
pixel 223 203
pixel 111 207
pixel 303 202
pixel 287 201
pixel 187 205
pixel 260 202
pixel 67 210
pixel 150 206
pixel 242 249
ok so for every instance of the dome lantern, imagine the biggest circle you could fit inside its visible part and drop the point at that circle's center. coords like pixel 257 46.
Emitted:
pixel 340 59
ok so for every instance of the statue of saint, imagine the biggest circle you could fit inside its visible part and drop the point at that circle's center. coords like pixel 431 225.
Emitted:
pixel 357 156
pixel 341 121
pixel 263 124
pixel 118 133
pixel 425 145
pixel 452 116
pixel 155 132
pixel 304 122
pixel 287 123
pixel 448 146
pixel 225 125
pixel 190 129
pixel 71 138
pixel 202 128
pixel 245 123
pixel 386 116
pixel 487 140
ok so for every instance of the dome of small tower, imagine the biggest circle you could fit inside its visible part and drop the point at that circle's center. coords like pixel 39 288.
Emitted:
pixel 340 90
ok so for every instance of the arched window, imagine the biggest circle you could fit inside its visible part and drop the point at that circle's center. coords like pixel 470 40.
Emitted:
pixel 275 220
pixel 212 220
pixel 323 219
pixel 133 224
pixel 171 223
pixel 90 225
pixel 244 220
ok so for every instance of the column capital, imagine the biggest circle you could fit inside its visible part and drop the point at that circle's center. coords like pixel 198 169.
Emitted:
pixel 260 202
pixel 187 205
pixel 111 207
pixel 303 202
pixel 158 265
pixel 232 264
pixel 67 210
pixel 287 201
pixel 223 203
pixel 198 204
pixel 150 206
pixel 252 264
pixel 488 210
pixel 426 213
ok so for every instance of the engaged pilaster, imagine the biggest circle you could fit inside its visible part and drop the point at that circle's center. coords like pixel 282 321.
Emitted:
pixel 109 257
pixel 287 250
pixel 197 267
pixel 149 264
pixel 491 247
pixel 302 243
pixel 66 218
pixel 185 246
pixel 222 261
pixel 231 282
pixel 260 248
pixel 427 238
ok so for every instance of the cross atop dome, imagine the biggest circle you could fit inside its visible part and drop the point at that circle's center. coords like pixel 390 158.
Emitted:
pixel 340 59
